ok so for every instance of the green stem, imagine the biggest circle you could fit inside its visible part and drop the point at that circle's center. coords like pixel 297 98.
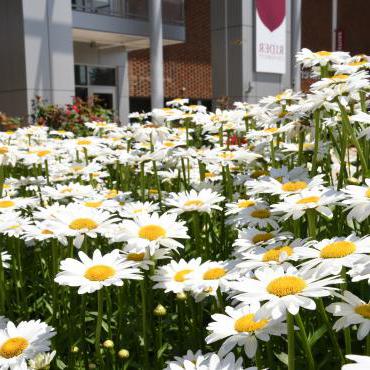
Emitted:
pixel 311 220
pixel 332 335
pixel 316 116
pixel 307 348
pixel 291 341
pixel 99 326
pixel 144 324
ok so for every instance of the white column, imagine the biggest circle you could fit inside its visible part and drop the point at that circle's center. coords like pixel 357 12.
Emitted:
pixel 156 53
pixel 334 24
pixel 296 42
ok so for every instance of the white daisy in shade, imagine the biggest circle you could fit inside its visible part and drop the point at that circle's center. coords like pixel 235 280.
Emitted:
pixel 71 190
pixel 5 258
pixel 23 342
pixel 285 188
pixel 361 363
pixel 216 362
pixel 92 274
pixel 133 209
pixel 152 231
pixel 241 328
pixel 353 311
pixel 203 201
pixel 77 221
pixel 361 270
pixel 233 208
pixel 270 255
pixel 296 206
pixel 209 277
pixel 41 361
pixel 143 259
pixel 357 199
pixel 11 204
pixel 173 276
pixel 283 289
pixel 330 255
pixel 251 238
pixel 257 216
pixel 190 361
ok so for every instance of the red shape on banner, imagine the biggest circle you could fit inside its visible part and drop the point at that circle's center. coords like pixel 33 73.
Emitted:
pixel 271 12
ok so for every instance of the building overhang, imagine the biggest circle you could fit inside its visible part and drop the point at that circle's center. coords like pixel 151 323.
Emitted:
pixel 133 34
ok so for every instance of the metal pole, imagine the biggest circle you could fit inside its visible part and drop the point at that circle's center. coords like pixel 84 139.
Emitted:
pixel 296 29
pixel 334 24
pixel 156 53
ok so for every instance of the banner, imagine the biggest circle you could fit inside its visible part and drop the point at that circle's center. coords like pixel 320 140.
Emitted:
pixel 270 36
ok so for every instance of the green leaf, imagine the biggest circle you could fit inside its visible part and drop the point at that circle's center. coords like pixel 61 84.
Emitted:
pixel 312 339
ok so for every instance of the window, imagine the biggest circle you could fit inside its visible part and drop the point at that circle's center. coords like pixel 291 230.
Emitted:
pixel 102 76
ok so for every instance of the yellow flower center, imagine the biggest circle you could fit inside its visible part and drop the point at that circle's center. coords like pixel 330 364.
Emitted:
pixel 139 210
pixel 180 276
pixel 46 232
pixel 368 193
pixel 13 347
pixel 274 254
pixel 263 237
pixel 323 53
pixel 209 174
pixel 6 203
pixel 194 202
pixel 153 191
pixel 294 186
pixel 338 249
pixel 111 194
pixel 152 232
pixel 77 168
pixel 340 77
pixel 93 204
pixel 271 130
pixel 286 285
pixel 83 223
pixel 84 142
pixel 247 324
pixel 168 144
pixel 226 155
pixel 355 64
pixel 99 272
pixel 135 256
pixel 4 150
pixel 214 274
pixel 261 213
pixel 363 310
pixel 258 173
pixel 307 200
pixel 308 146
pixel 246 203
pixel 66 190
pixel 43 153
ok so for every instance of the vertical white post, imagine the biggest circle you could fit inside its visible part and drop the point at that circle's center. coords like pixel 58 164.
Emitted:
pixel 156 53
pixel 334 23
pixel 296 32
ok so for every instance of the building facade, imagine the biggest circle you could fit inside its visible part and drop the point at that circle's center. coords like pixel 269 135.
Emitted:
pixel 57 49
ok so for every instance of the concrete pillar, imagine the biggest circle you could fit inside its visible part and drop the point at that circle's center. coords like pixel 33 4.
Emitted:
pixel 38 59
pixel 123 89
pixel 156 53
pixel 296 42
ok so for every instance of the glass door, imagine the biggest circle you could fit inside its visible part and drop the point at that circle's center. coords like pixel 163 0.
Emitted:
pixel 105 95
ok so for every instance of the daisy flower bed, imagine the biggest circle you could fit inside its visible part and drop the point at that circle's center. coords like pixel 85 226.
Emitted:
pixel 188 239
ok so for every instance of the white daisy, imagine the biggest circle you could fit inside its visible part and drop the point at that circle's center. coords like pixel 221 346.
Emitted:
pixel 362 363
pixel 152 231
pixel 23 342
pixel 241 328
pixel 173 276
pixel 204 201
pixel 283 289
pixel 93 274
pixel 329 256
pixel 353 311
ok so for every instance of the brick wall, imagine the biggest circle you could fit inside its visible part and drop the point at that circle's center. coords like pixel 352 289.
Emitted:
pixel 187 66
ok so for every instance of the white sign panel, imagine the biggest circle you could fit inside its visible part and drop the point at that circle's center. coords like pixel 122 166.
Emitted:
pixel 271 36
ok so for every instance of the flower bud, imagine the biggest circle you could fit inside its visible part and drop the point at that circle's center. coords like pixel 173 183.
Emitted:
pixel 75 349
pixel 181 296
pixel 160 310
pixel 108 344
pixel 123 353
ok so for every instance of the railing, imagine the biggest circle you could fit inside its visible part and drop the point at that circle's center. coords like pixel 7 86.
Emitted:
pixel 172 10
